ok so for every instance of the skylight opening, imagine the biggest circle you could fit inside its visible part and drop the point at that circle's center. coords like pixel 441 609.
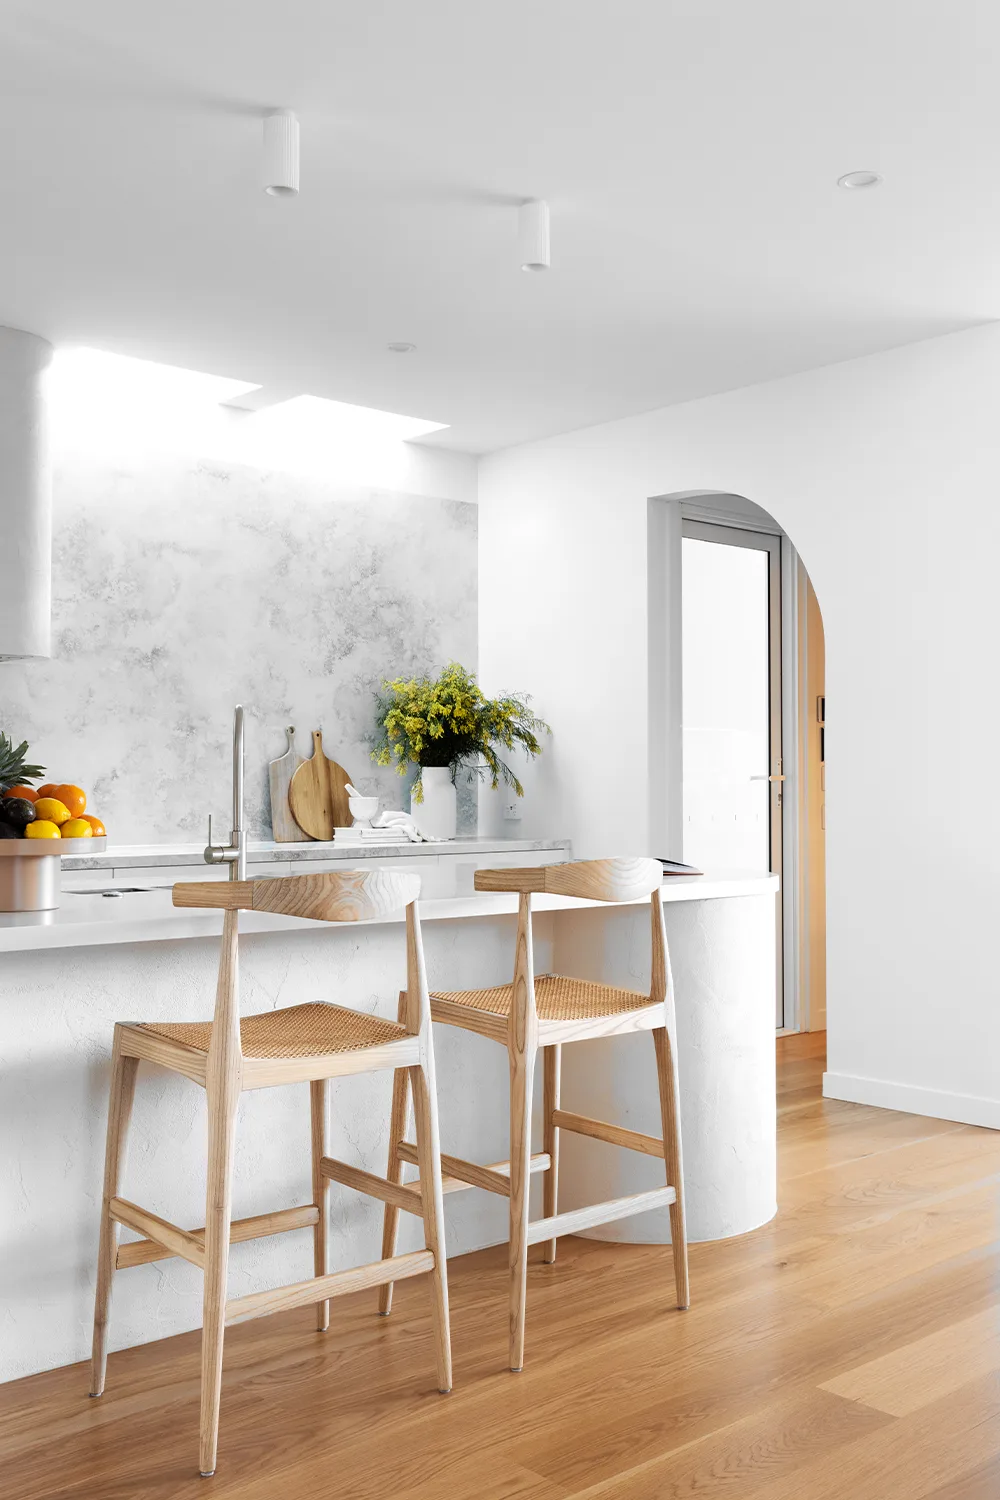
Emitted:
pixel 116 404
pixel 319 418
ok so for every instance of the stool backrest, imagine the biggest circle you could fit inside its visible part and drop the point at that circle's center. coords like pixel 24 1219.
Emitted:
pixel 333 896
pixel 588 879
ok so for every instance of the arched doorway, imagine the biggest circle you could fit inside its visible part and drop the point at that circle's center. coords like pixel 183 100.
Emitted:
pixel 737 727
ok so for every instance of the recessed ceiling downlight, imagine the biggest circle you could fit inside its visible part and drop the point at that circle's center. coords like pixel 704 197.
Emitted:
pixel 865 179
pixel 401 348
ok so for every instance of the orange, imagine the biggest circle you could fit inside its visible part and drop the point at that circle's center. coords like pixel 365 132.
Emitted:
pixel 48 790
pixel 42 828
pixel 22 791
pixel 50 809
pixel 96 825
pixel 76 828
pixel 73 797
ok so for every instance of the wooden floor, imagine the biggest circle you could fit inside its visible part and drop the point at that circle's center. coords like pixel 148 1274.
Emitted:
pixel 849 1350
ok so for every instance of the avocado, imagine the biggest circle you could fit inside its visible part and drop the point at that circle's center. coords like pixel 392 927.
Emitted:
pixel 8 831
pixel 18 812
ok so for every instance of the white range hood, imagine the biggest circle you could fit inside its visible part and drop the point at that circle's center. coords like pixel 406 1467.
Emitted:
pixel 25 497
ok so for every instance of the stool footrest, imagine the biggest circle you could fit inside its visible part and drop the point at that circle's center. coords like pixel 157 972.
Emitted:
pixel 175 1241
pixel 141 1252
pixel 405 1195
pixel 304 1293
pixel 459 1173
pixel 599 1213
pixel 615 1135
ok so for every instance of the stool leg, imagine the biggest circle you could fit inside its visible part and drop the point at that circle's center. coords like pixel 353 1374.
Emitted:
pixel 218 1213
pixel 666 1072
pixel 397 1132
pixel 429 1153
pixel 522 1067
pixel 552 1068
pixel 122 1092
pixel 318 1093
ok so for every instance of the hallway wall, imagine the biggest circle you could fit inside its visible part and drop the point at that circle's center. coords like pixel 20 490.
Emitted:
pixel 884 472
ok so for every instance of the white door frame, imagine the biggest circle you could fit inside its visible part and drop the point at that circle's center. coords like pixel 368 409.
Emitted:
pixel 666 517
pixel 753 538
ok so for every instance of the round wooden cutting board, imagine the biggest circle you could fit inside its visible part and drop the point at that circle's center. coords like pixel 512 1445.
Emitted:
pixel 317 794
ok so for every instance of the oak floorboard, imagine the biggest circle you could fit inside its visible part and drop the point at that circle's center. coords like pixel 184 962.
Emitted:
pixel 916 1374
pixel 718 1383
pixel 743 1457
pixel 884 1253
pixel 909 1457
pixel 979 1483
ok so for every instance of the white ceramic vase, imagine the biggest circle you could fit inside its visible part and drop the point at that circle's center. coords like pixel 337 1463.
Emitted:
pixel 437 815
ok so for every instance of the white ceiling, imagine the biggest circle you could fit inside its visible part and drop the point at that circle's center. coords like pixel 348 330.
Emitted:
pixel 689 152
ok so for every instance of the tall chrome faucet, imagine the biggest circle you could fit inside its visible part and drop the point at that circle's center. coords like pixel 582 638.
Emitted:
pixel 233 854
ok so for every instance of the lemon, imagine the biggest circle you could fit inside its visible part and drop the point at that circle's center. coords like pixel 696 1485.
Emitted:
pixel 42 828
pixel 51 810
pixel 76 828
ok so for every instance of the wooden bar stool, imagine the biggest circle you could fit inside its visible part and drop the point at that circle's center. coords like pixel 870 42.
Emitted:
pixel 304 1043
pixel 546 1012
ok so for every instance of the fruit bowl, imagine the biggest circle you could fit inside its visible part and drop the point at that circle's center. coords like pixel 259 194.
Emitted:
pixel 30 874
pixel 35 847
pixel 95 845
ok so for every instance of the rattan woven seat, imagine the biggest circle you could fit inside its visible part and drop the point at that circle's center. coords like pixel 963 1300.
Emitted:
pixel 556 999
pixel 313 1030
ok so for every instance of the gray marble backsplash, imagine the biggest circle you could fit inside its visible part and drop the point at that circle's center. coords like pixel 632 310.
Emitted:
pixel 182 587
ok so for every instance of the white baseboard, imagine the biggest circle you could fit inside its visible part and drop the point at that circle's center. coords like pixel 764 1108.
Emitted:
pixel 967 1109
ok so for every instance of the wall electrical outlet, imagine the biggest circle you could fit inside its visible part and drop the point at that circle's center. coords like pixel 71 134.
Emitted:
pixel 512 810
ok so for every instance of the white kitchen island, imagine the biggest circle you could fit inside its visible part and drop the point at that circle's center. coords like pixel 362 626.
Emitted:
pixel 67 976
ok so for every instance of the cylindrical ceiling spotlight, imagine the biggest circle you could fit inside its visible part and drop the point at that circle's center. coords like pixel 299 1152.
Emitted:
pixel 533 235
pixel 281 153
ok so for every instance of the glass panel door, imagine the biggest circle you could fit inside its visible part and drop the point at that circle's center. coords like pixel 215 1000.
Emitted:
pixel 731 697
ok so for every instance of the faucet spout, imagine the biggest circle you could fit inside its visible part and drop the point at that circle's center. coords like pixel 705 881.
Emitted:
pixel 233 854
pixel 238 870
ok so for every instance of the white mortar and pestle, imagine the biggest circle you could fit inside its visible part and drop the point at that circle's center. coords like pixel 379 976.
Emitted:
pixel 362 809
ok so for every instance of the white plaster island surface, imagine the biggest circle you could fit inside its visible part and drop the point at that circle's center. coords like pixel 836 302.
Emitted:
pixel 68 975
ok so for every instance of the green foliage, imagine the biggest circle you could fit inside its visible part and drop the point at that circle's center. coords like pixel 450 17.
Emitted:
pixel 14 771
pixel 451 722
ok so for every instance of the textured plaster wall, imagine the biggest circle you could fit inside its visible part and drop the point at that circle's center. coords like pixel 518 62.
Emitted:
pixel 57 1010
pixel 183 585
pixel 57 1013
pixel 722 958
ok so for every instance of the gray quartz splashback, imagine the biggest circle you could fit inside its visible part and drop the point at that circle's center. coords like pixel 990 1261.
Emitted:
pixel 182 587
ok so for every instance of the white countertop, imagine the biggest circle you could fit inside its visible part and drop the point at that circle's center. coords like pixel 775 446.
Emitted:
pixel 87 919
pixel 266 851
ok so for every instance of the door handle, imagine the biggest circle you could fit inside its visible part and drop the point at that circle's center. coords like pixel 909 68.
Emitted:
pixel 779 778
pixel 776 779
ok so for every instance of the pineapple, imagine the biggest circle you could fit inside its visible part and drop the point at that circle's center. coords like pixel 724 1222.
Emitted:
pixel 14 771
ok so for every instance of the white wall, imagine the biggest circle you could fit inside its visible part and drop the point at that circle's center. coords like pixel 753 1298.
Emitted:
pixel 885 474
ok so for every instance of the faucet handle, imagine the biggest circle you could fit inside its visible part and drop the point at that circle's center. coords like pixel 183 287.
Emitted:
pixel 213 852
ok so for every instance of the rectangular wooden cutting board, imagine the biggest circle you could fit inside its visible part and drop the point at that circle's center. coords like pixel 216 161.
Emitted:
pixel 284 829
